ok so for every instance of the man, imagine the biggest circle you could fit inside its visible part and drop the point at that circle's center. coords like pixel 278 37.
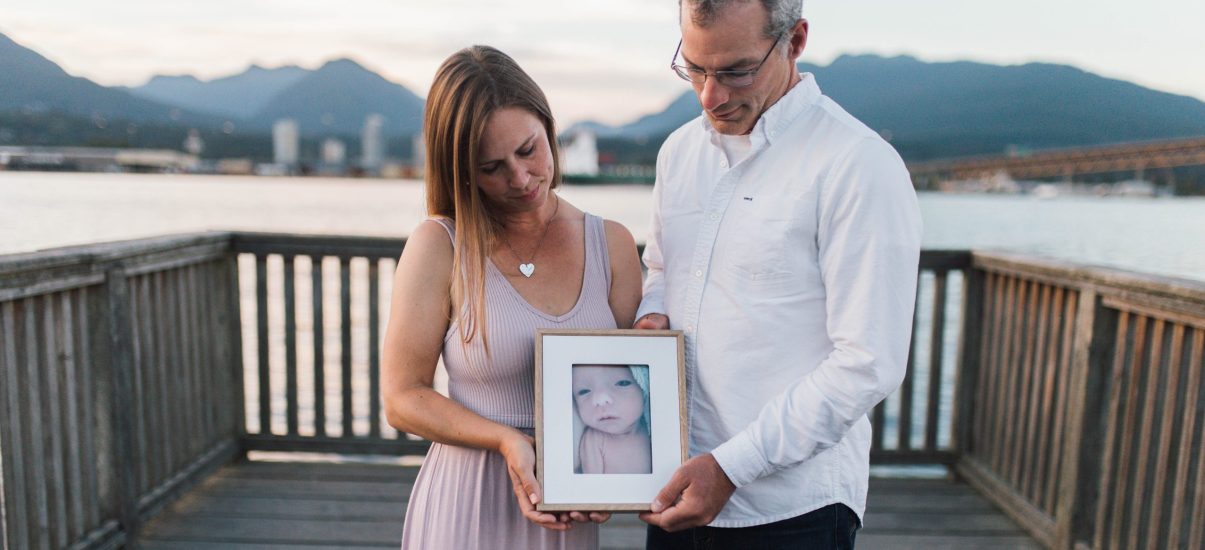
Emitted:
pixel 784 243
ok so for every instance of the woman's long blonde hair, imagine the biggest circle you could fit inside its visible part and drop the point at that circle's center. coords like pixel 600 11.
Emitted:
pixel 470 86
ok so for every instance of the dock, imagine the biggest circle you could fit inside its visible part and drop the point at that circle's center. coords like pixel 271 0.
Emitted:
pixel 220 390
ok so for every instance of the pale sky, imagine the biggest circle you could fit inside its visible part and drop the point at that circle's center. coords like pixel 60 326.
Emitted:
pixel 606 60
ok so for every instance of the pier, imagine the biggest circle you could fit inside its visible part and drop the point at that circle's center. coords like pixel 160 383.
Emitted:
pixel 217 391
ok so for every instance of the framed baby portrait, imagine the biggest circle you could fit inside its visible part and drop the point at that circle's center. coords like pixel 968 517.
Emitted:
pixel 610 417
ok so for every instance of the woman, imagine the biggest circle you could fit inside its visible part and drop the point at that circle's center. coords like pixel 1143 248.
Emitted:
pixel 502 256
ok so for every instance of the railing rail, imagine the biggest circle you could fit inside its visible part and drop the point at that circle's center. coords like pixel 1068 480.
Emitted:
pixel 1089 403
pixel 1072 396
pixel 118 384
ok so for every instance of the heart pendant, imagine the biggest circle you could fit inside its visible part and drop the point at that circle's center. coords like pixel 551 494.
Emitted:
pixel 527 269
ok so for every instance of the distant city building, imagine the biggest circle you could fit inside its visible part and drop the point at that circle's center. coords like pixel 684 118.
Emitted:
pixel 372 141
pixel 334 152
pixel 418 154
pixel 193 144
pixel 579 156
pixel 286 142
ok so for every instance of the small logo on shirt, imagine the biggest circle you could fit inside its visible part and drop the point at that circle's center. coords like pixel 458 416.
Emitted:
pixel 750 199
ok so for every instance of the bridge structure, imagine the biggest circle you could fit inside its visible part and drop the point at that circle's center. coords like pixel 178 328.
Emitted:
pixel 1137 157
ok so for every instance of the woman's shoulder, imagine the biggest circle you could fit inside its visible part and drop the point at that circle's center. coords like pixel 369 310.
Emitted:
pixel 431 240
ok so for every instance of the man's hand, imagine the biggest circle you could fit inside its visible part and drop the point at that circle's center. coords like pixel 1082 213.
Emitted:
pixel 652 321
pixel 694 496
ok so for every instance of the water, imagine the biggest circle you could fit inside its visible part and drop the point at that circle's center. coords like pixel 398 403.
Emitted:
pixel 37 210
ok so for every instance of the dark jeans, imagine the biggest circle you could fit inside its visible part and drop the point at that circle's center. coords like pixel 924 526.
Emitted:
pixel 830 528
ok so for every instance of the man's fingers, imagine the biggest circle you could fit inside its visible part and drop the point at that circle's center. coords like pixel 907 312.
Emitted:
pixel 652 321
pixel 670 493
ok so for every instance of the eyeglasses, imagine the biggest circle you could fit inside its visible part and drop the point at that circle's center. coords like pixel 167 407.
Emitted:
pixel 730 78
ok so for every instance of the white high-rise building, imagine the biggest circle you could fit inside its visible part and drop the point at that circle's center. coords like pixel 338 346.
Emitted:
pixel 286 142
pixel 372 143
pixel 580 155
pixel 334 152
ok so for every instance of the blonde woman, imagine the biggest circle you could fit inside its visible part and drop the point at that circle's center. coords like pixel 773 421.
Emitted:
pixel 501 256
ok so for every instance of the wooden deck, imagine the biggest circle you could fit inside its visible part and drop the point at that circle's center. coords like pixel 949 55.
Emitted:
pixel 312 506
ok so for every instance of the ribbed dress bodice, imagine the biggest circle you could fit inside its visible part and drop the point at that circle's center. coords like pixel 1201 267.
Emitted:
pixel 500 386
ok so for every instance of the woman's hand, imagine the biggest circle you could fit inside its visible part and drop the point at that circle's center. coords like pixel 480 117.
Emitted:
pixel 519 451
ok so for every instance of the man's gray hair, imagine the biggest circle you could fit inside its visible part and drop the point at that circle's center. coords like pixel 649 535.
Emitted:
pixel 783 13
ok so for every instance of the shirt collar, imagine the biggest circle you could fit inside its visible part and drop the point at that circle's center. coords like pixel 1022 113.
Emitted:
pixel 798 99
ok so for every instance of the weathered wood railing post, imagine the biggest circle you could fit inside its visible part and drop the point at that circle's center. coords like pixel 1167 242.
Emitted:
pixel 231 343
pixel 967 372
pixel 120 370
pixel 1094 347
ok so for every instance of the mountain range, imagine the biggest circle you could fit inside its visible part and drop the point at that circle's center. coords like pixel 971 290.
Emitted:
pixel 926 110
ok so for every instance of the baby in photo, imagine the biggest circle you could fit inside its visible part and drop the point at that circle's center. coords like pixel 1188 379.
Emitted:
pixel 613 403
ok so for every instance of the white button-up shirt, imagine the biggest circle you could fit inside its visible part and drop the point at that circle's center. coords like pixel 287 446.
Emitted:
pixel 793 274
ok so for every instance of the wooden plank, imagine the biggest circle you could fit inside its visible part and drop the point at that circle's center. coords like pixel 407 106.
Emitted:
pixel 345 332
pixel 72 431
pixel 936 350
pixel 873 540
pixel 986 374
pixel 349 445
pixel 374 349
pixel 53 423
pixel 1187 430
pixel 319 348
pixel 992 376
pixel 175 373
pixel 231 406
pixel 969 357
pixel 194 332
pixel 1007 404
pixel 121 368
pixel 1064 362
pixel 1112 423
pixel 88 389
pixel 290 345
pixel 323 245
pixel 261 313
pixel 186 477
pixel 1172 406
pixel 1130 411
pixel 906 390
pixel 905 457
pixel 17 507
pixel 162 372
pixel 240 530
pixel 1152 370
pixel 35 436
pixel 1018 453
pixel 1196 537
pixel 143 417
pixel 1042 405
pixel 1159 308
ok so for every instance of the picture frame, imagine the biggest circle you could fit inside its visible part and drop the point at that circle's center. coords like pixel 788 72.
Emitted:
pixel 610 417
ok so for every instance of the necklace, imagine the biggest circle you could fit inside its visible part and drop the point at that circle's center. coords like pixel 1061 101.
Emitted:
pixel 528 267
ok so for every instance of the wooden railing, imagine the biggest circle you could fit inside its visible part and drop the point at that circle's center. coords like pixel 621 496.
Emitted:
pixel 334 343
pixel 120 384
pixel 1085 402
pixel 1071 396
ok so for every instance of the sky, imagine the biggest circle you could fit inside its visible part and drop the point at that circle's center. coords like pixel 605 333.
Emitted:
pixel 604 60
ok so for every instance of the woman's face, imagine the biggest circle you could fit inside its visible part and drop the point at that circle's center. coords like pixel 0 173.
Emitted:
pixel 515 166
pixel 607 398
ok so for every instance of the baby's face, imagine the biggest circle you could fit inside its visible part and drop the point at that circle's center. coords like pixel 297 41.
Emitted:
pixel 607 398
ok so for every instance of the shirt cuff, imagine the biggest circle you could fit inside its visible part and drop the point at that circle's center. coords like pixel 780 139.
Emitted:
pixel 741 460
pixel 650 305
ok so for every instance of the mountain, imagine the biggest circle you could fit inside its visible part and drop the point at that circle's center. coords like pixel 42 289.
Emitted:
pixel 931 110
pixel 336 98
pixel 238 96
pixel 33 83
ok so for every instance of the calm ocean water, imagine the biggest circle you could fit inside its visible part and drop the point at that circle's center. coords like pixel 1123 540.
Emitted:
pixel 37 210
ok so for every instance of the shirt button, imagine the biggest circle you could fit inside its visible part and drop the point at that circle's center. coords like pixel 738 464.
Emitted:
pixel 699 273
pixel 723 164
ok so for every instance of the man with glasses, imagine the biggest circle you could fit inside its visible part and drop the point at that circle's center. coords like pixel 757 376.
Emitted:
pixel 784 243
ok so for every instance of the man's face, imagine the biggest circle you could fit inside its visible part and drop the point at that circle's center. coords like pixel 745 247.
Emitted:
pixel 734 40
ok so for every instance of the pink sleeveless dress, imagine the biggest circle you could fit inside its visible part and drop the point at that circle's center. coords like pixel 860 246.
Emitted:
pixel 462 498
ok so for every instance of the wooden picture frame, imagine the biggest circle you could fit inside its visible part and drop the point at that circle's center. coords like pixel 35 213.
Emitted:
pixel 610 417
